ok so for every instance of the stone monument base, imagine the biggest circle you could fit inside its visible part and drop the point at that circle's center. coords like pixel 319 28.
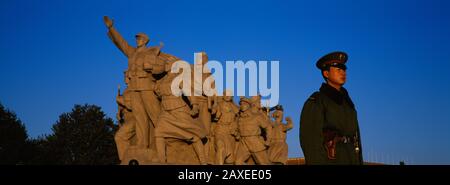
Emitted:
pixel 139 156
pixel 178 153
pixel 181 152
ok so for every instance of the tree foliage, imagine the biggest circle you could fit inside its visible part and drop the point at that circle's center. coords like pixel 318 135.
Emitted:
pixel 13 137
pixel 84 136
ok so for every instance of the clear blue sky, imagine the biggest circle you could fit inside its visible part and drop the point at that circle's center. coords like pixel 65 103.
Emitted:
pixel 54 54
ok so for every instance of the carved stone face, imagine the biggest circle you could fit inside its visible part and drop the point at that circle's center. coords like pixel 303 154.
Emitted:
pixel 277 114
pixel 141 41
pixel 227 98
pixel 256 101
pixel 244 106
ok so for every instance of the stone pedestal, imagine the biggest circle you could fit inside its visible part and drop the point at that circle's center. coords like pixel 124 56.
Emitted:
pixel 143 156
pixel 178 153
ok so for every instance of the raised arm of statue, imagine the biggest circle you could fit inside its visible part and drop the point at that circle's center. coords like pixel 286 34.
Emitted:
pixel 117 39
pixel 289 124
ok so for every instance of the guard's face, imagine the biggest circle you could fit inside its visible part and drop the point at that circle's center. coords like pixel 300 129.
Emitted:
pixel 336 75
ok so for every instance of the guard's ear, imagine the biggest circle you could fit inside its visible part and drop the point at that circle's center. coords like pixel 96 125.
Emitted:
pixel 325 74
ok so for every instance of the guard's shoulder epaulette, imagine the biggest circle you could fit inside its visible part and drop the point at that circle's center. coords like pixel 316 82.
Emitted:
pixel 314 97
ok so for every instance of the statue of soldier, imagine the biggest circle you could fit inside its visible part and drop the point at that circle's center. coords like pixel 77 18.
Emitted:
pixel 127 122
pixel 146 106
pixel 176 121
pixel 329 131
pixel 278 149
pixel 252 143
pixel 258 109
pixel 226 130
pixel 204 103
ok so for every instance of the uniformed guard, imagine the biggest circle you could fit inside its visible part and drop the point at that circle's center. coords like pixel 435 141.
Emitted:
pixel 329 131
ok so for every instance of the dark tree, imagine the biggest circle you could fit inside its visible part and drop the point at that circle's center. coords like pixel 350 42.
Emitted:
pixel 13 137
pixel 37 151
pixel 83 136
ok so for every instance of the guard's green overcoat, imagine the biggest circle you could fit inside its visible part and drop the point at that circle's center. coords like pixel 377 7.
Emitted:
pixel 329 109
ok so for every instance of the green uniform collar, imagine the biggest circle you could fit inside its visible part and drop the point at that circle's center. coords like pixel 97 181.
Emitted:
pixel 335 95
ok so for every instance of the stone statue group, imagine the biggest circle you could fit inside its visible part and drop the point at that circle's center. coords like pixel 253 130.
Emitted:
pixel 159 127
